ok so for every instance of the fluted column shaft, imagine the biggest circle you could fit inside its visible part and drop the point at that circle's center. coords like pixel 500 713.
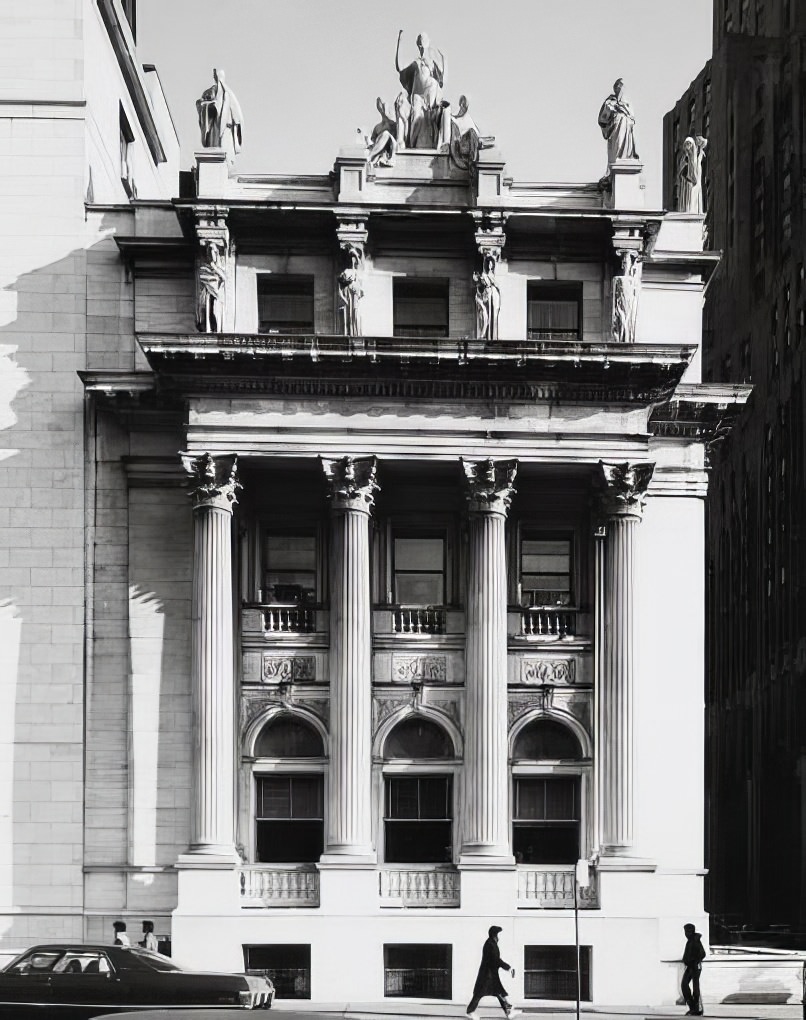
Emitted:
pixel 622 508
pixel 349 827
pixel 485 813
pixel 212 678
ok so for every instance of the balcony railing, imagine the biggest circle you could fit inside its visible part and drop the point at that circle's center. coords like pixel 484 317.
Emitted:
pixel 420 887
pixel 289 619
pixel 553 888
pixel 418 620
pixel 279 887
pixel 548 622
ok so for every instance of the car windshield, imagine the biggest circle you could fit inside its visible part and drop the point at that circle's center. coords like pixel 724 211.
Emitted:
pixel 143 959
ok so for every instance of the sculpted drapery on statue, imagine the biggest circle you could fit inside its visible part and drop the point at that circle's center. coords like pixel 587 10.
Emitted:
pixel 211 282
pixel 689 175
pixel 351 291
pixel 384 137
pixel 423 80
pixel 220 117
pixel 626 294
pixel 618 125
pixel 487 297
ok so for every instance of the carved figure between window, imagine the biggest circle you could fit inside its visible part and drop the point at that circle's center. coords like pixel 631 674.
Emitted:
pixel 351 291
pixel 626 294
pixel 487 298
pixel 211 287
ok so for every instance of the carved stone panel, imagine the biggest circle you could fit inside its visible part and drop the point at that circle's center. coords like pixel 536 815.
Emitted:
pixel 433 668
pixel 547 671
pixel 382 708
pixel 284 669
pixel 447 705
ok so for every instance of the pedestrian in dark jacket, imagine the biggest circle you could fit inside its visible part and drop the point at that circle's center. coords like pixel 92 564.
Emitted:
pixel 488 981
pixel 693 955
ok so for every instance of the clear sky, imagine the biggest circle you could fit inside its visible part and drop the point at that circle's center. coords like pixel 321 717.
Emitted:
pixel 307 72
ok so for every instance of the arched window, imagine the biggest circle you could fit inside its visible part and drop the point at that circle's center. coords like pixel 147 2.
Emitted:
pixel 546 740
pixel 547 806
pixel 289 804
pixel 418 803
pixel 287 737
pixel 418 738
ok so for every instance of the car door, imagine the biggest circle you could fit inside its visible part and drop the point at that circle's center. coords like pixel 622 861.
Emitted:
pixel 27 981
pixel 85 978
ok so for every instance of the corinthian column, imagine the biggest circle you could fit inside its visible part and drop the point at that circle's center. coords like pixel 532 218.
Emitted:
pixel 352 487
pixel 622 505
pixel 213 692
pixel 485 840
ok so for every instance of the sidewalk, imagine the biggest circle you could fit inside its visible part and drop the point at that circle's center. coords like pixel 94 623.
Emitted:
pixel 456 1011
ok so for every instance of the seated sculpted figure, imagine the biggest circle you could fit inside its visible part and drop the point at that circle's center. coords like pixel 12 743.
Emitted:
pixel 383 138
pixel 423 80
pixel 220 117
pixel 618 125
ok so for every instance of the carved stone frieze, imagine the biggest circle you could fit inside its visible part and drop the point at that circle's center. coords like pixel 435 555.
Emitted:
pixel 382 708
pixel 215 478
pixel 547 671
pixel 284 669
pixel 319 706
pixel 427 668
pixel 351 483
pixel 489 484
pixel 625 489
pixel 447 705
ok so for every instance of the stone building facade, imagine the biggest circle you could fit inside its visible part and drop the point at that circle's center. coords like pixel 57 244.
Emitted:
pixel 748 101
pixel 355 570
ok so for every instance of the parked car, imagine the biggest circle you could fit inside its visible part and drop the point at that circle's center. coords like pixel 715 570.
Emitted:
pixel 80 981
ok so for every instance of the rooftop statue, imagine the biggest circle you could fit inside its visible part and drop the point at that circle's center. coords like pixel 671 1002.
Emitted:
pixel 618 125
pixel 384 137
pixel 220 117
pixel 466 139
pixel 689 175
pixel 423 80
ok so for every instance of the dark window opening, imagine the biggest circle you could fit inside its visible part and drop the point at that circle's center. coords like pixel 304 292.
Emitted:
pixel 285 304
pixel 126 154
pixel 419 568
pixel 545 570
pixel 417 970
pixel 289 819
pixel 420 307
pixel 546 816
pixel 545 740
pixel 290 569
pixel 550 972
pixel 130 10
pixel 418 824
pixel 553 311
pixel 418 738
pixel 288 967
pixel 288 738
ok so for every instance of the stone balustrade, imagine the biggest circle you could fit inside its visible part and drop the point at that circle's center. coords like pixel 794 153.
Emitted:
pixel 548 624
pixel 553 888
pixel 420 887
pixel 418 620
pixel 279 887
pixel 290 619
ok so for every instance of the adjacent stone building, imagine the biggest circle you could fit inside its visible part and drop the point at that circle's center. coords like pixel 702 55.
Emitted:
pixel 748 101
pixel 355 568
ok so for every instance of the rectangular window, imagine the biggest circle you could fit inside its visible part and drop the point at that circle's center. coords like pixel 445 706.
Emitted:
pixel 288 967
pixel 289 575
pixel 423 971
pixel 418 568
pixel 550 972
pixel 419 819
pixel 420 307
pixel 126 151
pixel 545 570
pixel 553 310
pixel 284 304
pixel 289 819
pixel 546 817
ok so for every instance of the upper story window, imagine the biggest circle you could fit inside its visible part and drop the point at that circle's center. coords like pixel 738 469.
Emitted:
pixel 545 569
pixel 126 153
pixel 546 819
pixel 418 823
pixel 553 310
pixel 418 568
pixel 289 572
pixel 420 307
pixel 289 818
pixel 285 304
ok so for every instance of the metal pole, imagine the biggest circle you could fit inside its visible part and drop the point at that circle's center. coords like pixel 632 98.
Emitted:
pixel 576 940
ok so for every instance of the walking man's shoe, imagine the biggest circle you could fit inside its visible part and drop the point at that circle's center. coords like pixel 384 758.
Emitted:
pixel 473 1016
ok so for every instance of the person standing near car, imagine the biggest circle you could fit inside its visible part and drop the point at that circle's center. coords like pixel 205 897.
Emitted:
pixel 488 982
pixel 693 955
pixel 121 938
pixel 149 940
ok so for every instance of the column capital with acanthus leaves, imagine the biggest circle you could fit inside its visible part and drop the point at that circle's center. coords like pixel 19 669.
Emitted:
pixel 214 480
pixel 625 489
pixel 351 482
pixel 489 484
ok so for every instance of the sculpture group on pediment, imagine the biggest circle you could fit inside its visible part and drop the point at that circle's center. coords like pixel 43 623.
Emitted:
pixel 618 125
pixel 423 80
pixel 220 117
pixel 690 175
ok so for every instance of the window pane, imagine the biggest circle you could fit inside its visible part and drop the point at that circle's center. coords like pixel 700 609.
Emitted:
pixel 545 571
pixel 552 798
pixel 418 738
pixel 418 842
pixel 306 797
pixel 435 797
pixel 561 799
pixel 540 843
pixel 402 799
pixel 420 307
pixel 274 797
pixel 419 553
pixel 288 738
pixel 529 798
pixel 290 575
pixel 546 740
pixel 291 552
pixel 285 304
pixel 289 842
pixel 419 589
pixel 553 315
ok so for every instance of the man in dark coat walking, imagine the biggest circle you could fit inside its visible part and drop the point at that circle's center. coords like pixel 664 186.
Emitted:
pixel 488 981
pixel 693 955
